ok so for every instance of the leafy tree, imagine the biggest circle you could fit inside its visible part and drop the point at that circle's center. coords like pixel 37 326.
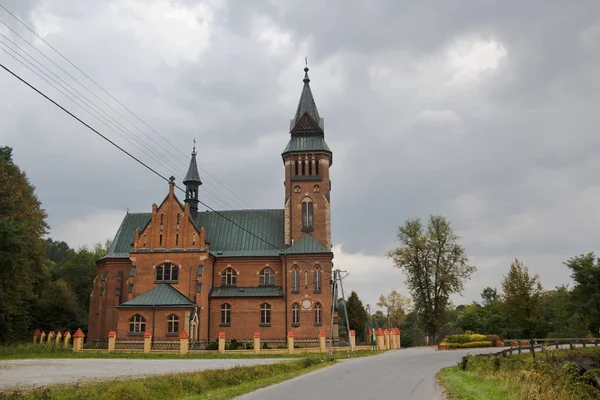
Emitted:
pixel 357 316
pixel 522 299
pixel 379 320
pixel 22 225
pixel 435 265
pixel 411 332
pixel 560 317
pixel 585 271
pixel 395 305
pixel 57 308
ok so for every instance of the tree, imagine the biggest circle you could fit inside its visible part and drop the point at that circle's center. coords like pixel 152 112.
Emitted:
pixel 435 265
pixel 396 306
pixel 522 299
pixel 57 308
pixel 22 225
pixel 585 271
pixel 357 316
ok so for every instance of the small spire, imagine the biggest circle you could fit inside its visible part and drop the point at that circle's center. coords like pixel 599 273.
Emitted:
pixel 307 105
pixel 194 149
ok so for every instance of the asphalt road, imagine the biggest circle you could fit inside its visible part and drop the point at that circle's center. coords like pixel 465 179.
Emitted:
pixel 405 374
pixel 43 372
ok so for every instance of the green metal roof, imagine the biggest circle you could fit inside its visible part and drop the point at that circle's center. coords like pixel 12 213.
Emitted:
pixel 223 232
pixel 121 245
pixel 307 245
pixel 306 143
pixel 235 291
pixel 163 295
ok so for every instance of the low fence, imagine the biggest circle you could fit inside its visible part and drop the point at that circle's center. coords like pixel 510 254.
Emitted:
pixel 519 345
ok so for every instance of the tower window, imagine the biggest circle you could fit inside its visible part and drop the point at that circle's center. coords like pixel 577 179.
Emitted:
pixel 162 218
pixel 229 277
pixel 296 167
pixel 309 167
pixel 178 216
pixel 194 239
pixel 295 314
pixel 160 240
pixel 295 280
pixel 225 314
pixel 316 189
pixel 307 214
pixel 318 320
pixel 297 189
pixel 317 279
pixel 267 277
pixel 317 167
pixel 303 167
pixel 265 314
pixel 177 239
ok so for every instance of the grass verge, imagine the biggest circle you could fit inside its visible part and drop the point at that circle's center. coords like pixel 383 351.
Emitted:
pixel 213 384
pixel 556 375
pixel 51 350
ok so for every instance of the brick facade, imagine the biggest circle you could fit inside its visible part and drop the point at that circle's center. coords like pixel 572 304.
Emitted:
pixel 197 252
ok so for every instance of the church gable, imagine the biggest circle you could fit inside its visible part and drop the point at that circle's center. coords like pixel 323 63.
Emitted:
pixel 170 227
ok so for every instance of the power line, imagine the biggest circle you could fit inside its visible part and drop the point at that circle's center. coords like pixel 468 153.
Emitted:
pixel 109 94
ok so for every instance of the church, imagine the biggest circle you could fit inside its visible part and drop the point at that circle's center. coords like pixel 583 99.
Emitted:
pixel 237 271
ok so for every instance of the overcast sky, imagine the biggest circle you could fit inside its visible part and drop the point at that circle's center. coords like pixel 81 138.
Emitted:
pixel 486 112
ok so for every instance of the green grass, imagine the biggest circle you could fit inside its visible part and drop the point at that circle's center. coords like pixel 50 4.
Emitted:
pixel 210 384
pixel 555 375
pixel 51 350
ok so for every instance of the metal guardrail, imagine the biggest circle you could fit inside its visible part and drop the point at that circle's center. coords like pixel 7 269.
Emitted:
pixel 518 346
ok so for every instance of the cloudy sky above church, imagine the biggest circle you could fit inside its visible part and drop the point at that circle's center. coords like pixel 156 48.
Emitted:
pixel 485 112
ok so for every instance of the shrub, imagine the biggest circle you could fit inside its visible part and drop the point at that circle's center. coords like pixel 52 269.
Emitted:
pixel 469 345
pixel 214 345
pixel 458 338
pixel 478 338
pixel 492 338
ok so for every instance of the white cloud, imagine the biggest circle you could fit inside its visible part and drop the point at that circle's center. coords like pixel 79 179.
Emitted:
pixel 469 59
pixel 440 118
pixel 89 230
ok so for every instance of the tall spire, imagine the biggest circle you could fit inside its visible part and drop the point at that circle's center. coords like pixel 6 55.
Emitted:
pixel 307 104
pixel 192 182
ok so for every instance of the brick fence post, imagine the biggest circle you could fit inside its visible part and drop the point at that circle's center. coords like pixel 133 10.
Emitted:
pixel 147 341
pixel 256 342
pixel 42 337
pixel 184 342
pixel 398 333
pixel 36 336
pixel 58 338
pixel 112 341
pixel 352 340
pixel 67 339
pixel 222 342
pixel 386 336
pixel 50 337
pixel 78 340
pixel 380 339
pixel 322 341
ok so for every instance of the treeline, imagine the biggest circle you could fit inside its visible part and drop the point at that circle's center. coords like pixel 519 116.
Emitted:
pixel 43 284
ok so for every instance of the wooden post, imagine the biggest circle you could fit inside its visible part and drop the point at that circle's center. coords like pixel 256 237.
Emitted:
pixel 67 337
pixel 290 342
pixel 352 340
pixel 147 341
pixel 256 342
pixel 571 346
pixel 322 341
pixel 112 339
pixel 222 342
pixel 184 342
pixel 78 340
pixel 36 336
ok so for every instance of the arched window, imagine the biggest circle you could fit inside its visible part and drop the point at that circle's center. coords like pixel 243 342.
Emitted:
pixel 316 189
pixel 303 167
pixel 295 280
pixel 297 189
pixel 309 167
pixel 295 314
pixel 162 218
pixel 307 214
pixel 178 215
pixel 317 279
pixel 296 167
pixel 317 167
pixel 177 239
pixel 318 313
pixel 194 239
pixel 137 324
pixel 167 273
pixel 172 324
pixel 229 277
pixel 160 240
pixel 265 314
pixel 225 314
pixel 267 277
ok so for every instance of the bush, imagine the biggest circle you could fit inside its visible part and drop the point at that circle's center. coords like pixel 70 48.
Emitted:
pixel 458 338
pixel 492 338
pixel 214 345
pixel 469 337
pixel 469 345
pixel 478 338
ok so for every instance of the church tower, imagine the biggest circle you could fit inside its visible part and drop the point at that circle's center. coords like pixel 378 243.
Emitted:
pixel 307 159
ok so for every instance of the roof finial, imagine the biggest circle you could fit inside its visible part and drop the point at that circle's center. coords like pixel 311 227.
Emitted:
pixel 306 78
pixel 194 150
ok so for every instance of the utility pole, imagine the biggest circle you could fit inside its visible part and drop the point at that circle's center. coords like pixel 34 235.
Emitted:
pixel 340 278
pixel 333 301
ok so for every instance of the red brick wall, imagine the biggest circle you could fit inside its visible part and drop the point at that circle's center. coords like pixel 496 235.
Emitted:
pixel 156 322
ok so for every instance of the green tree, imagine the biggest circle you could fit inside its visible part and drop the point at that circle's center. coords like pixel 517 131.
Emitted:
pixel 411 332
pixel 57 308
pixel 435 265
pixel 22 225
pixel 395 306
pixel 357 316
pixel 585 271
pixel 522 299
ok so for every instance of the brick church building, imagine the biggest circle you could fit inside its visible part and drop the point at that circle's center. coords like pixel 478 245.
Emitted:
pixel 238 271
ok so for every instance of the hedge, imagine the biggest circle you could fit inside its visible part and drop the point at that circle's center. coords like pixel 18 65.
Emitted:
pixel 470 345
pixel 466 338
